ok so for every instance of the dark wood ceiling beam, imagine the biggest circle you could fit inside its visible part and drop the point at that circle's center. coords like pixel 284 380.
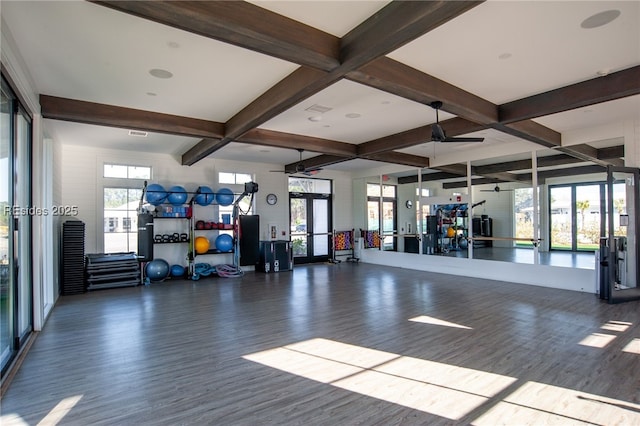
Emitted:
pixel 474 182
pixel 453 127
pixel 127 118
pixel 317 162
pixel 394 25
pixel 397 78
pixel 291 141
pixel 242 24
pixel 194 151
pixel 531 131
pixel 601 89
pixel 360 46
pixel 571 171
pixel 395 157
pixel 611 152
pixel 428 177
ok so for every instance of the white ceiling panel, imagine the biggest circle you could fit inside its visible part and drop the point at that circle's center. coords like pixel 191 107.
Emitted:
pixel 544 42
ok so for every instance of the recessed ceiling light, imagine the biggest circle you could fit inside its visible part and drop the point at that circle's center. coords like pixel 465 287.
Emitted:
pixel 173 44
pixel 264 150
pixel 505 55
pixel 353 115
pixel 315 118
pixel 600 19
pixel 385 102
pixel 160 73
pixel 327 125
pixel 602 73
pixel 152 94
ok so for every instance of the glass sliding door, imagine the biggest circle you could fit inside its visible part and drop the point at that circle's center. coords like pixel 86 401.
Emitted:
pixel 588 203
pixel 7 265
pixel 16 300
pixel 561 218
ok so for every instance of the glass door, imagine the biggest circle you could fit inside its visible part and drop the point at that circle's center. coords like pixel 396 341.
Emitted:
pixel 310 222
pixel 621 247
pixel 561 218
pixel 588 202
pixel 7 265
pixel 16 284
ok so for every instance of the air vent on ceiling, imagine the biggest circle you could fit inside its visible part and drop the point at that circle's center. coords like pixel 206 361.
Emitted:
pixel 319 108
pixel 138 133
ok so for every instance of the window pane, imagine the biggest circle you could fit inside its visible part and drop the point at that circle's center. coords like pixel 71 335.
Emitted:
pixel 242 178
pixel 115 171
pixel 115 199
pixel 561 221
pixel 373 190
pixel 226 178
pixel 389 191
pixel 136 172
pixel 303 185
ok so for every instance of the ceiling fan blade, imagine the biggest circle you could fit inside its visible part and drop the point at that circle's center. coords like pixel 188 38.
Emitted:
pixel 462 140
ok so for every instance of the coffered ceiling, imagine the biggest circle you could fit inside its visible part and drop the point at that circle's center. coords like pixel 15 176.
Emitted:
pixel 350 82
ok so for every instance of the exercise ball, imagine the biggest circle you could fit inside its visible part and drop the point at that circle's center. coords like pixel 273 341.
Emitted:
pixel 177 271
pixel 155 194
pixel 157 270
pixel 201 245
pixel 177 195
pixel 463 242
pixel 224 242
pixel 224 196
pixel 451 232
pixel 205 196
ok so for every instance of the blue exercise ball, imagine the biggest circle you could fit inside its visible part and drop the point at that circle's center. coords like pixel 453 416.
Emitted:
pixel 224 242
pixel 177 271
pixel 224 196
pixel 157 270
pixel 155 194
pixel 177 195
pixel 205 196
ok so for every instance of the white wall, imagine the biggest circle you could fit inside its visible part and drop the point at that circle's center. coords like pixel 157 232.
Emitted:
pixel 82 184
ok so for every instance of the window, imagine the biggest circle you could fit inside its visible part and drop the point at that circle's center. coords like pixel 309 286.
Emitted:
pixel 126 172
pixel 234 178
pixel 389 208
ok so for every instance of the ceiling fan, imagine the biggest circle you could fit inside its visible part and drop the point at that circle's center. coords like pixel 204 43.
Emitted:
pixel 496 189
pixel 300 167
pixel 437 132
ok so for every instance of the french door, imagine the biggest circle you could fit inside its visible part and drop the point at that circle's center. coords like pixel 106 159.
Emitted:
pixel 310 222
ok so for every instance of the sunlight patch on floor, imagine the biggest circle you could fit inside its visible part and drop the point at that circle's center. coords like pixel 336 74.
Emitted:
pixel 632 347
pixel 52 418
pixel 597 340
pixel 616 326
pixel 538 403
pixel 437 388
pixel 58 412
pixel 435 321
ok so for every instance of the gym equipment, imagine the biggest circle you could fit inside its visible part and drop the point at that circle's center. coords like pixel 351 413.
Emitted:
pixel 201 245
pixel 177 195
pixel 224 242
pixel 157 270
pixel 200 225
pixel 204 196
pixel 451 232
pixel 177 271
pixel 224 196
pixel 155 194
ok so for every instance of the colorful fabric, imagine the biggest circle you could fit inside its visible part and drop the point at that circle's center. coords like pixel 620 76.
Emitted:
pixel 343 240
pixel 371 239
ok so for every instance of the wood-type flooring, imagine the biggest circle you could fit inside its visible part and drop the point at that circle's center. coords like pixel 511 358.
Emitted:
pixel 332 344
